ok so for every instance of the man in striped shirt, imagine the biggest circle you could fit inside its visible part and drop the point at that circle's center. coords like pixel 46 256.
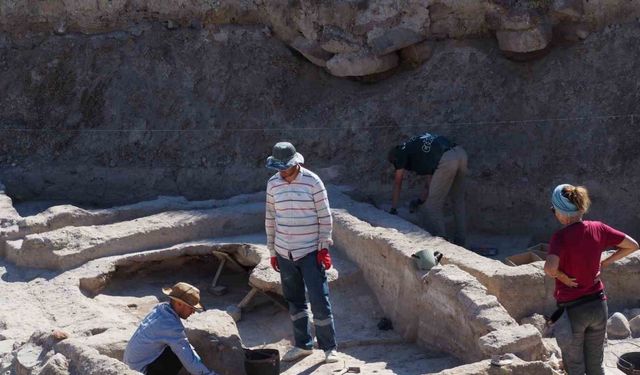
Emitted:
pixel 298 225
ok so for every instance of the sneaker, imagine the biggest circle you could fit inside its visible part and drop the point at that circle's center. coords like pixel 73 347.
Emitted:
pixel 331 356
pixel 296 353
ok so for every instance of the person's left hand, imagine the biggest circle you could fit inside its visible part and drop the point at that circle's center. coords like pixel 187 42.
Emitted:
pixel 323 258
pixel 597 280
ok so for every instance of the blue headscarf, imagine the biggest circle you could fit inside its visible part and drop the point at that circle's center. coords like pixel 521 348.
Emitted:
pixel 561 203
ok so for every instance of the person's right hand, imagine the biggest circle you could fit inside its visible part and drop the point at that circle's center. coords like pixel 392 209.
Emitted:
pixel 568 281
pixel 274 264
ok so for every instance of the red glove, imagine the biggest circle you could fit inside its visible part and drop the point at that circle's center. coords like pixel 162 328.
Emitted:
pixel 324 259
pixel 274 264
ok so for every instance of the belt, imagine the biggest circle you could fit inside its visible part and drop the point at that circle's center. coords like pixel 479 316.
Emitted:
pixel 582 300
pixel 577 302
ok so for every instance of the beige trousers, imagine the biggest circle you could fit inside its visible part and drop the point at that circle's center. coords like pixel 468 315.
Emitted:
pixel 448 179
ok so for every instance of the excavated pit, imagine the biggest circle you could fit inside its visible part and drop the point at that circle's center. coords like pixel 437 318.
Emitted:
pixel 449 320
pixel 112 105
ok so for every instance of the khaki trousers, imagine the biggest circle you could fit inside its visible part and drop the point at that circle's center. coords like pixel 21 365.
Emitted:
pixel 448 179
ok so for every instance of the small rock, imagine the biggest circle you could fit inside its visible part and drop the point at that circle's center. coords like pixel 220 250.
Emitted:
pixel 634 325
pixel 618 327
pixel 137 30
pixel 59 335
pixel 582 33
pixel 235 312
pixel 195 24
pixel 571 32
pixel 171 25
pixel 360 64
pixel 60 28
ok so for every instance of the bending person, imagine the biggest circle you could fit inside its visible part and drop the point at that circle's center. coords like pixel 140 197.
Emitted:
pixel 574 261
pixel 160 346
pixel 444 164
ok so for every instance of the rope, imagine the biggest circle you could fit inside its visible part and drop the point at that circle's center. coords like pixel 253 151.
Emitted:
pixel 373 127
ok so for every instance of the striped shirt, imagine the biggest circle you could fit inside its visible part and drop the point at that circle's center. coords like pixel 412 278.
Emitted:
pixel 298 218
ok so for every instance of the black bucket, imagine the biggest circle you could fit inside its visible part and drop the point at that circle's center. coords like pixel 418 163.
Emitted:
pixel 262 361
pixel 629 363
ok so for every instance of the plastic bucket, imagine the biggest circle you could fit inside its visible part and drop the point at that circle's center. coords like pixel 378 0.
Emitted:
pixel 629 363
pixel 262 361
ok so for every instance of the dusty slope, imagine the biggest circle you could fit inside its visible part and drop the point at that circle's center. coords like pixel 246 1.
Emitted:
pixel 128 115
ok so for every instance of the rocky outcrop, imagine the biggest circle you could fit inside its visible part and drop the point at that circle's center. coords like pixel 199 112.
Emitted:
pixel 319 29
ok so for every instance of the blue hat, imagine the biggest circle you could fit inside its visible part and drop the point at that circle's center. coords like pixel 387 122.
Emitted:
pixel 284 156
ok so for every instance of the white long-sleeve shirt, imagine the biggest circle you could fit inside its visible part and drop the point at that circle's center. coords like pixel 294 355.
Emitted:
pixel 298 218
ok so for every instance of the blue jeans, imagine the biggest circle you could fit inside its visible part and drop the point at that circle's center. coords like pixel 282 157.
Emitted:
pixel 295 276
pixel 580 333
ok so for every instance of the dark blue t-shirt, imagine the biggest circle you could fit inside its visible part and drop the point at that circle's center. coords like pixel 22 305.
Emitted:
pixel 421 154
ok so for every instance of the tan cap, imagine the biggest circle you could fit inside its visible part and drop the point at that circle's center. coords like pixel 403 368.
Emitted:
pixel 186 293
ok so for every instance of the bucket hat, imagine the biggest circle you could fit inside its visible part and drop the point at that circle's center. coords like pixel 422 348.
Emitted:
pixel 185 293
pixel 284 156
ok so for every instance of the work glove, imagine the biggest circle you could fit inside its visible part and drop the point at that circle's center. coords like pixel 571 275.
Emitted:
pixel 274 264
pixel 324 259
pixel 393 211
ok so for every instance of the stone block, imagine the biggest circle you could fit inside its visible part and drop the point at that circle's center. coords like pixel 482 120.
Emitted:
pixel 537 321
pixel 335 40
pixel 525 341
pixel 571 10
pixel 519 20
pixel 88 361
pixel 215 337
pixel 393 40
pixel 312 51
pixel 523 41
pixel 56 365
pixel 361 64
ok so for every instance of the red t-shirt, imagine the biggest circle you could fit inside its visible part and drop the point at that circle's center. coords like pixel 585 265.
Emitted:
pixel 579 247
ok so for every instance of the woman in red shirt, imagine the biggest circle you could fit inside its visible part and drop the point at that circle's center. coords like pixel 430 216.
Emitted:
pixel 574 260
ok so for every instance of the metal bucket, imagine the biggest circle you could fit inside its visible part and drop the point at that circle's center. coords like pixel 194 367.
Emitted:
pixel 262 361
pixel 629 363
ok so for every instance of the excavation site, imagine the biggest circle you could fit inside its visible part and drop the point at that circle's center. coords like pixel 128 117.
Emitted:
pixel 302 187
